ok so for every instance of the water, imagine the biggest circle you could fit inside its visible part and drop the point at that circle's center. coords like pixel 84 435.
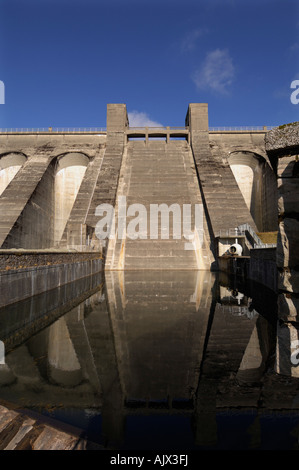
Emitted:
pixel 155 360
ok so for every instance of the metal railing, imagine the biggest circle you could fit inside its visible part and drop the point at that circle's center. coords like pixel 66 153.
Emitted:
pixel 266 245
pixel 241 128
pixel 256 241
pixel 243 231
pixel 129 129
pixel 230 233
pixel 160 128
pixel 37 130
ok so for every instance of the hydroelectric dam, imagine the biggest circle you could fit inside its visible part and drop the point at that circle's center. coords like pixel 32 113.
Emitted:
pixel 55 185
pixel 126 319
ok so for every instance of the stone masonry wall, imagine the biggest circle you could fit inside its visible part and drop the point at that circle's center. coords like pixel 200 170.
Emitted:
pixel 283 143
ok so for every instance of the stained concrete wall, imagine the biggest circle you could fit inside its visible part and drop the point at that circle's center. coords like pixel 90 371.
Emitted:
pixel 10 164
pixel 224 203
pixel 24 281
pixel 76 232
pixel 27 205
pixel 70 170
pixel 158 173
pixel 32 226
pixel 23 188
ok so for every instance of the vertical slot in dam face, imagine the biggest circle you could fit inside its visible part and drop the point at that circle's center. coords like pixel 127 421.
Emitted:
pixel 70 171
pixel 9 166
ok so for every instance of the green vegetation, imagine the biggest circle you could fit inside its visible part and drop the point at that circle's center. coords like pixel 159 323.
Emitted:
pixel 267 237
pixel 289 124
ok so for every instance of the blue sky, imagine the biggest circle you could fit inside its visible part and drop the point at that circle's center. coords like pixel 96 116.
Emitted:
pixel 62 61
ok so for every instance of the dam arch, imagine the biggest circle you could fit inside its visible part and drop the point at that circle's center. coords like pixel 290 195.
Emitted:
pixel 257 183
pixel 69 172
pixel 10 164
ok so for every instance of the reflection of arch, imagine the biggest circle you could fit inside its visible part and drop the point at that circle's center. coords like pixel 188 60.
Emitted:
pixel 69 173
pixel 257 184
pixel 10 164
pixel 63 365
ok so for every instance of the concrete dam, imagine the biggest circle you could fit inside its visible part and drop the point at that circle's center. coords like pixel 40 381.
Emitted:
pixel 101 190
pixel 123 320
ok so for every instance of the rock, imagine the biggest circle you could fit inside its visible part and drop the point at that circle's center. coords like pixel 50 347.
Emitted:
pixel 282 137
pixel 288 308
pixel 287 351
pixel 288 195
pixel 287 254
pixel 288 280
pixel 286 166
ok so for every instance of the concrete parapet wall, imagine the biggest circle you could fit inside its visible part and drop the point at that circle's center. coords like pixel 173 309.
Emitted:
pixel 18 284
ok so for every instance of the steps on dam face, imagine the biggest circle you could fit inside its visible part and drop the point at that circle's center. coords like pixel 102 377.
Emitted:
pixel 157 173
pixel 225 203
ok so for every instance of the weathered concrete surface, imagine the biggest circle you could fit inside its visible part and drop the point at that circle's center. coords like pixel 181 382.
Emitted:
pixel 27 205
pixel 288 243
pixel 18 284
pixel 21 259
pixel 107 183
pixel 72 235
pixel 157 173
pixel 30 431
pixel 288 306
pixel 221 194
pixel 288 198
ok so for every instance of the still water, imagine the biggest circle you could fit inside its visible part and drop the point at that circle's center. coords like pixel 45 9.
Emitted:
pixel 155 360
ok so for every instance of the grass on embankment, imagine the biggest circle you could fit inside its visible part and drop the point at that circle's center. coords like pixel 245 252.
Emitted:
pixel 268 237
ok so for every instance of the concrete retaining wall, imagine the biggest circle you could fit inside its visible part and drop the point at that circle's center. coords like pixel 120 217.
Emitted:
pixel 19 284
pixel 262 267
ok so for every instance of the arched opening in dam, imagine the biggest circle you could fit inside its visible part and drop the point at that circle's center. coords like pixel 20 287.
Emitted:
pixel 70 170
pixel 10 164
pixel 257 184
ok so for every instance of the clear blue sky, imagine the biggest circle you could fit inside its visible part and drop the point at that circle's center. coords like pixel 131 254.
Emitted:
pixel 62 61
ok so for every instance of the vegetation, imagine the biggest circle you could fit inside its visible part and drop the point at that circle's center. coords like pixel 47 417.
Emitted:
pixel 289 124
pixel 267 237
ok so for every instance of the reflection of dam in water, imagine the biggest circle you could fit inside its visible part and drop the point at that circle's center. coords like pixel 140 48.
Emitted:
pixel 154 360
